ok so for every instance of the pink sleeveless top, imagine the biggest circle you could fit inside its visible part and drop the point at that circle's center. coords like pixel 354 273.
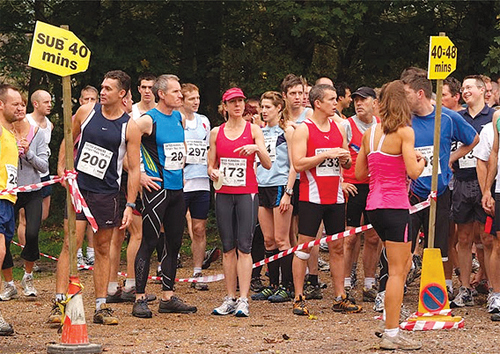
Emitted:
pixel 239 172
pixel 388 180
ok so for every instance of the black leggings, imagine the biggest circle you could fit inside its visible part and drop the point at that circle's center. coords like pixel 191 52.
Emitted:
pixel 31 202
pixel 160 207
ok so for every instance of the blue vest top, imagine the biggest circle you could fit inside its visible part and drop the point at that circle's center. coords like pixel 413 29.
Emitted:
pixel 278 150
pixel 167 129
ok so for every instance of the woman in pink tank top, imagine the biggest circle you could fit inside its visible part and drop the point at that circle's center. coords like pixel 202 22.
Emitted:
pixel 388 156
pixel 231 158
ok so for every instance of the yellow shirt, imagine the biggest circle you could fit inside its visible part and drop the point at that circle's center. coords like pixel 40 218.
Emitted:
pixel 9 156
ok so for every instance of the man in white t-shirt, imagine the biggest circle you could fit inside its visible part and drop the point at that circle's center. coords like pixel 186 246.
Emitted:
pixel 147 102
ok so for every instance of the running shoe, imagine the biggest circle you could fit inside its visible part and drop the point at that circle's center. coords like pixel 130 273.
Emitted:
pixel 90 260
pixel 175 305
pixel 348 293
pixel 210 257
pixel 413 274
pixel 379 302
pixel 55 314
pixel 312 292
pixel 449 291
pixel 299 306
pixel 323 247
pixel 105 316
pixel 116 297
pixel 241 308
pixel 5 328
pixel 199 285
pixel 141 309
pixel 281 295
pixel 323 265
pixel 463 298
pixel 80 261
pixel 494 303
pixel 256 285
pixel 129 296
pixel 369 295
pixel 400 341
pixel 345 306
pixel 264 294
pixel 227 307
pixel 179 262
pixel 475 265
pixel 482 287
pixel 28 287
pixel 9 292
pixel 495 317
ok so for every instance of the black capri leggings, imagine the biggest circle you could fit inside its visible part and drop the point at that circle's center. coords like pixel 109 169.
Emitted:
pixel 31 202
pixel 236 219
pixel 160 207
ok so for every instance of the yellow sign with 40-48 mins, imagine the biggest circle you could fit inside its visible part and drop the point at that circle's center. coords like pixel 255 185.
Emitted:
pixel 58 51
pixel 442 58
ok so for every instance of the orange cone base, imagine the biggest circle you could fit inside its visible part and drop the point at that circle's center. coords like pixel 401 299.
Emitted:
pixel 74 348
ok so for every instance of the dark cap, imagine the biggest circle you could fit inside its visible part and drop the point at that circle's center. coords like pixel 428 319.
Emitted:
pixel 364 92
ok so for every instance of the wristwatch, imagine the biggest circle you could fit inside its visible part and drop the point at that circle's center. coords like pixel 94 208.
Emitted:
pixel 289 191
pixel 132 205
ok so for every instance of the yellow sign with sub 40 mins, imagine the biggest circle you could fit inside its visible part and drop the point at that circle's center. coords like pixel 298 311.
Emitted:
pixel 58 51
pixel 442 58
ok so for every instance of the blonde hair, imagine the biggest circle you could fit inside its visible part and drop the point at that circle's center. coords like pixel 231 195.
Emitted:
pixel 394 107
pixel 276 99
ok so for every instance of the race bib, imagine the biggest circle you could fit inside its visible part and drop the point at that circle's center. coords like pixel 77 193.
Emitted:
pixel 427 151
pixel 196 152
pixel 234 171
pixel 270 142
pixel 467 161
pixel 11 176
pixel 329 167
pixel 174 156
pixel 94 160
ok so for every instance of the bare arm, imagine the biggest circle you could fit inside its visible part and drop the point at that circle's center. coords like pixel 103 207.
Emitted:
pixel 361 170
pixel 414 164
pixel 133 138
pixel 212 165
pixel 487 200
pixel 292 175
pixel 463 150
pixel 264 158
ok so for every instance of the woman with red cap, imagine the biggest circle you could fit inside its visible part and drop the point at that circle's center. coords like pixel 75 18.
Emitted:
pixel 231 159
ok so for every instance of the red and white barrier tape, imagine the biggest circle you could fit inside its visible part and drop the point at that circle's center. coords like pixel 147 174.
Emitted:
pixel 430 325
pixel 76 197
pixel 212 278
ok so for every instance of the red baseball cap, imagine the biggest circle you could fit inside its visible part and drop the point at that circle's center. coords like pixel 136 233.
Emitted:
pixel 234 92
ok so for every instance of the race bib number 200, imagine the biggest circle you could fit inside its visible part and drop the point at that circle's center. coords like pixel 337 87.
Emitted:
pixel 94 160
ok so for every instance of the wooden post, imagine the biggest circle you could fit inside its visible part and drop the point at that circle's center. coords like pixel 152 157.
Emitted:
pixel 435 165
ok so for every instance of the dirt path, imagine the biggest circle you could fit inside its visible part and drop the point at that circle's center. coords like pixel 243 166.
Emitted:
pixel 271 328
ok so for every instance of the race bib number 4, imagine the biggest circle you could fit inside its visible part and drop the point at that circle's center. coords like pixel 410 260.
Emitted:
pixel 428 151
pixel 467 161
pixel 94 160
pixel 174 156
pixel 270 142
pixel 329 167
pixel 234 171
pixel 11 176
pixel 196 152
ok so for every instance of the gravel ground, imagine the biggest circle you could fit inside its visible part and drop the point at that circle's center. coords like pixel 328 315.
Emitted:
pixel 271 328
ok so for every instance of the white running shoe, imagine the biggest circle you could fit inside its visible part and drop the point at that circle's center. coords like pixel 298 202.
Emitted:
pixel 241 309
pixel 379 302
pixel 9 292
pixel 227 307
pixel 494 303
pixel 28 287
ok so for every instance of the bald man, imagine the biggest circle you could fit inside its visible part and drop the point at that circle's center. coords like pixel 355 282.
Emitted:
pixel 42 106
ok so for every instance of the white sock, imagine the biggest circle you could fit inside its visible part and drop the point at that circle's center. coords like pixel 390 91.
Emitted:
pixel 79 253
pixel 196 270
pixel 129 284
pixel 393 332
pixel 369 282
pixel 90 251
pixel 347 282
pixel 60 297
pixel 99 302
pixel 112 287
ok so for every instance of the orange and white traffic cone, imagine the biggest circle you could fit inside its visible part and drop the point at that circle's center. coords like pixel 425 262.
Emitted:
pixel 74 335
